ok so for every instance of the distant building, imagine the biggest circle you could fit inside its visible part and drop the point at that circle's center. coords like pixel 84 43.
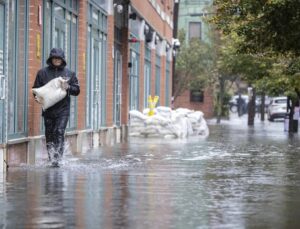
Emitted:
pixel 191 18
pixel 120 49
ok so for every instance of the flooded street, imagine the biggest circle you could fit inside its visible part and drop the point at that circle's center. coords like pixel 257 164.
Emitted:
pixel 238 177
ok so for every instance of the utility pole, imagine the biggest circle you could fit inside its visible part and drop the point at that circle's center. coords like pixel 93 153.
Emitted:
pixel 175 30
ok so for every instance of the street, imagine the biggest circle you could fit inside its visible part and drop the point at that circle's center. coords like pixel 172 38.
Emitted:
pixel 238 177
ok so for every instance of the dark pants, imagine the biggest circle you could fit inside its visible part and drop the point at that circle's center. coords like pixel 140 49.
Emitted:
pixel 55 131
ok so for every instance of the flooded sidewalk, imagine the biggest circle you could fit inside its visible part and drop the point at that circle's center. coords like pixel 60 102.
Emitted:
pixel 238 177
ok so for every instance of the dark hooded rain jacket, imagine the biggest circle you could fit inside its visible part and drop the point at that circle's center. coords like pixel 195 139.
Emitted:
pixel 62 108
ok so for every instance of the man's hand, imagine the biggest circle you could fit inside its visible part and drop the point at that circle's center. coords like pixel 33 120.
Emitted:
pixel 36 99
pixel 65 85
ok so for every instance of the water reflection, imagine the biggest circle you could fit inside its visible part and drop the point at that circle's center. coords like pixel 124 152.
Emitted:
pixel 239 177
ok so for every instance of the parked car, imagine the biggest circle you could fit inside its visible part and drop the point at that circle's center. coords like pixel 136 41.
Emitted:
pixel 277 108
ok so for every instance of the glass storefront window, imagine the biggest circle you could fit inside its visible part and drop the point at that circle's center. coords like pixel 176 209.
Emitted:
pixel 147 75
pixel 17 68
pixel 96 68
pixel 134 76
pixel 157 77
pixel 168 66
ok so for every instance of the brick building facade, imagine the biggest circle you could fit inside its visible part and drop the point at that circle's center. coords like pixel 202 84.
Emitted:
pixel 191 18
pixel 121 51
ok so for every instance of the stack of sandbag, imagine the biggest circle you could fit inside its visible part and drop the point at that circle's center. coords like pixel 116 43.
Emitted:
pixel 156 125
pixel 136 122
pixel 199 124
pixel 167 123
pixel 181 126
pixel 165 112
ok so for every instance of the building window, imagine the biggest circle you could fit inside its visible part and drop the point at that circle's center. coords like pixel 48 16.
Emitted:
pixel 134 76
pixel 96 67
pixel 168 66
pixel 101 3
pixel 195 30
pixel 17 68
pixel 197 96
pixel 157 76
pixel 147 75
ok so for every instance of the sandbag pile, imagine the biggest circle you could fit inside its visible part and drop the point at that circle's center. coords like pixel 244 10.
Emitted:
pixel 167 123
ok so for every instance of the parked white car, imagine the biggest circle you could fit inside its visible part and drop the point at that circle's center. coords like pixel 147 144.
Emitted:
pixel 277 108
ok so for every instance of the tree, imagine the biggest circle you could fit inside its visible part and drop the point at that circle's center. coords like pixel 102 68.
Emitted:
pixel 193 65
pixel 266 29
pixel 197 68
pixel 264 25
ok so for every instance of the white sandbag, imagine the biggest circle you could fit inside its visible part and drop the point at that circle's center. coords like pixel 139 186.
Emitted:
pixel 177 124
pixel 147 110
pixel 150 130
pixel 164 111
pixel 134 114
pixel 51 93
pixel 157 120
pixel 202 129
pixel 184 111
pixel 195 116
pixel 134 134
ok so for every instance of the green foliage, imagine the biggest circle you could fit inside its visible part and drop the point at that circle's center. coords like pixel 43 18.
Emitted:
pixel 265 36
pixel 264 25
pixel 194 64
pixel 225 104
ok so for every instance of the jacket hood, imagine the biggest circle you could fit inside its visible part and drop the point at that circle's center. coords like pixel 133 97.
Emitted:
pixel 57 53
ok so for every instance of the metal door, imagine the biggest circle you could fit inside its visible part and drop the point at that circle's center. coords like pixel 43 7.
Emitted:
pixel 2 72
pixel 96 83
pixel 117 87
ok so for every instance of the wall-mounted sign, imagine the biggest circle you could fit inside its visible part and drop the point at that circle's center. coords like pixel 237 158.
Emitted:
pixel 38 46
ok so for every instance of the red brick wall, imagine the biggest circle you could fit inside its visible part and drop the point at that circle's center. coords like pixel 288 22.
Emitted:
pixel 144 8
pixel 110 71
pixel 34 64
pixel 82 33
pixel 207 107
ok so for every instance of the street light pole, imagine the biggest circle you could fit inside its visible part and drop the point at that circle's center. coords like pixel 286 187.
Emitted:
pixel 175 30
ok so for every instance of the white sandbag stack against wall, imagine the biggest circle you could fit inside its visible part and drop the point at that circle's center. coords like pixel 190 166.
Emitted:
pixel 136 122
pixel 167 123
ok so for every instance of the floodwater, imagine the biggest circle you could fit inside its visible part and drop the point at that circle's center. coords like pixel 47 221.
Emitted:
pixel 238 177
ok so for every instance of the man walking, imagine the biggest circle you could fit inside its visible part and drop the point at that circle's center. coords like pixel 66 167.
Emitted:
pixel 57 116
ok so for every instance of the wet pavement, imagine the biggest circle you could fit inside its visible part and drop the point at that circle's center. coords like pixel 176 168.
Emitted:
pixel 238 177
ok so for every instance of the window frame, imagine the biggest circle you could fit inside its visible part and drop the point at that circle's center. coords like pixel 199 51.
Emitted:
pixel 14 77
pixel 200 32
pixel 100 27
